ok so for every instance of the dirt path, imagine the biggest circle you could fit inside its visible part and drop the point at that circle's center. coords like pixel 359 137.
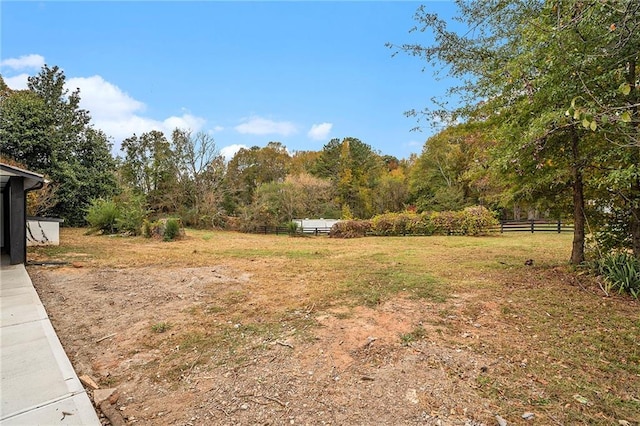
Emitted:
pixel 177 351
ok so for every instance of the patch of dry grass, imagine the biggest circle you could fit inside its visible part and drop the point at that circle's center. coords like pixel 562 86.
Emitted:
pixel 565 349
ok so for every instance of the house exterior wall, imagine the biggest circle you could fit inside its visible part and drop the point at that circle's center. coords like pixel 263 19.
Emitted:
pixel 17 214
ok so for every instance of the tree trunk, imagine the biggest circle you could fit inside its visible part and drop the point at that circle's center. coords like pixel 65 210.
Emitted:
pixel 577 251
pixel 635 227
pixel 635 185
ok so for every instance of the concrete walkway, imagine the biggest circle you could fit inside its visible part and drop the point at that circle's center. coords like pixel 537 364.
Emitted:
pixel 38 384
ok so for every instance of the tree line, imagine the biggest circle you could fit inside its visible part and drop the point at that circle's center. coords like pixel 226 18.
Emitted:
pixel 183 174
pixel 547 120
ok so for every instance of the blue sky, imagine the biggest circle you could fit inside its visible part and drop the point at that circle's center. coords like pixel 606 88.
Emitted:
pixel 299 73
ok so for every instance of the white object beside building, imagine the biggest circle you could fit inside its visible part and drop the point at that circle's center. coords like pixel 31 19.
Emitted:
pixel 43 231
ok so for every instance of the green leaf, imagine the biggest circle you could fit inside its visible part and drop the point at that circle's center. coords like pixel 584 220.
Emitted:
pixel 576 115
pixel 604 119
pixel 626 117
pixel 593 126
pixel 625 89
pixel 586 123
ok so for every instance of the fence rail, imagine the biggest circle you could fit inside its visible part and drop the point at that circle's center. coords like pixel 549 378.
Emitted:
pixel 283 230
pixel 535 226
pixel 505 226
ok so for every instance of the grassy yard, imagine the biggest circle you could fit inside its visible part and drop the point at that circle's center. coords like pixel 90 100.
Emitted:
pixel 559 348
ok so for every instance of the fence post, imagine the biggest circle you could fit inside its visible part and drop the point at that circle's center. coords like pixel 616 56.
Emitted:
pixel 502 226
pixel 532 225
pixel 559 226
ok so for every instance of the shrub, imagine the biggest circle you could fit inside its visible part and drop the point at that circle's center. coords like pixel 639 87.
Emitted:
pixel 292 227
pixel 477 220
pixel 446 223
pixel 383 224
pixel 171 230
pixel 102 215
pixel 473 221
pixel 350 229
pixel 146 229
pixel 132 214
pixel 420 224
pixel 407 223
pixel 621 271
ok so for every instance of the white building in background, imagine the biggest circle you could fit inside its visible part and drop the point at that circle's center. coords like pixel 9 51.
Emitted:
pixel 312 226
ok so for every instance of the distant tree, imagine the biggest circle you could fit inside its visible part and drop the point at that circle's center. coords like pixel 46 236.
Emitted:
pixel 250 168
pixel 449 174
pixel 200 170
pixel 148 168
pixel 299 196
pixel 354 168
pixel 391 194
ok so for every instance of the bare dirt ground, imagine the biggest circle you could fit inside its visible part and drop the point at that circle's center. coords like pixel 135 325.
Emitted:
pixel 235 329
pixel 350 366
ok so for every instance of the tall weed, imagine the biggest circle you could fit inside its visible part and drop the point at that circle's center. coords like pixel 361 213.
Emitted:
pixel 621 271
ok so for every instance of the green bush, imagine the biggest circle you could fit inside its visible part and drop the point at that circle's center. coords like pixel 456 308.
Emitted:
pixel 478 220
pixel 171 230
pixel 406 223
pixel 102 215
pixel 470 221
pixel 132 214
pixel 350 229
pixel 473 221
pixel 292 227
pixel 146 229
pixel 621 271
pixel 420 224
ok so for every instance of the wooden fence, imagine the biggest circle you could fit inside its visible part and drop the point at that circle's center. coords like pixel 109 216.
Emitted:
pixel 535 226
pixel 505 226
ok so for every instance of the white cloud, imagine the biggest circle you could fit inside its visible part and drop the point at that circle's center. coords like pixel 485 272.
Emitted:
pixel 262 126
pixel 24 62
pixel 17 82
pixel 229 151
pixel 320 131
pixel 112 110
pixel 103 99
pixel 119 115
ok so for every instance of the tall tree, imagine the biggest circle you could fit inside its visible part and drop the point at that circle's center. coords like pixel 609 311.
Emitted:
pixel 528 62
pixel 354 168
pixel 199 172
pixel 252 167
pixel 44 128
pixel 149 169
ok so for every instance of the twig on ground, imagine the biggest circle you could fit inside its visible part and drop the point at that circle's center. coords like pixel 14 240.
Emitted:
pixel 289 345
pixel 310 309
pixel 105 337
pixel 270 398
pixel 223 410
